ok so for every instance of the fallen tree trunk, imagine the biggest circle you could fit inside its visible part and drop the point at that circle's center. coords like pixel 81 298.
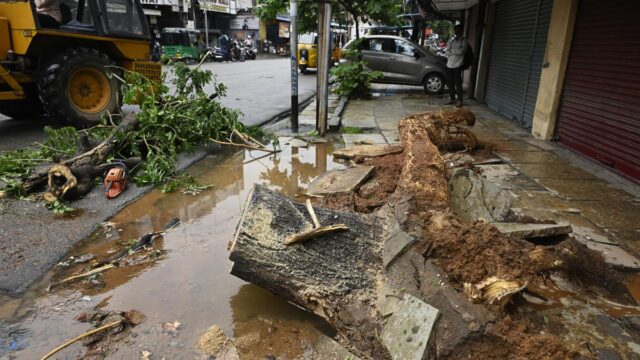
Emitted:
pixel 92 158
pixel 334 276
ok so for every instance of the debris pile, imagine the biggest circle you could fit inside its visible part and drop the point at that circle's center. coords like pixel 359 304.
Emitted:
pixel 411 242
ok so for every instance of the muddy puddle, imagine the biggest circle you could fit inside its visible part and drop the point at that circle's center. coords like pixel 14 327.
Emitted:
pixel 184 278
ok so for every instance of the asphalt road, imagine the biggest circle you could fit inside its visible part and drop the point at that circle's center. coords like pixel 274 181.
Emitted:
pixel 32 239
pixel 258 88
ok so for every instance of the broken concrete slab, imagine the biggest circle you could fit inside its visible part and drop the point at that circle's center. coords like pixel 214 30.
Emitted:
pixel 367 151
pixel 397 242
pixel 612 254
pixel 340 181
pixel 392 137
pixel 407 332
pixel 297 142
pixel 327 348
pixel 473 197
pixel 508 178
pixel 363 139
pixel 533 230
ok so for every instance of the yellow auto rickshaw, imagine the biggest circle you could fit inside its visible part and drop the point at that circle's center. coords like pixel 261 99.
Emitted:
pixel 308 50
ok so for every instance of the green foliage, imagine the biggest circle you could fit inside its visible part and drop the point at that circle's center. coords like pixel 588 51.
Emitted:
pixel 174 122
pixel 59 207
pixel 350 130
pixel 187 183
pixel 16 164
pixel 384 11
pixel 353 78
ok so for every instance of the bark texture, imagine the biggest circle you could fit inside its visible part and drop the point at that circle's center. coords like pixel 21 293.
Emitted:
pixel 334 276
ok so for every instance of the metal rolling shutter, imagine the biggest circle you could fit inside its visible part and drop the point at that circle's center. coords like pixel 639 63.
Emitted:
pixel 519 42
pixel 599 113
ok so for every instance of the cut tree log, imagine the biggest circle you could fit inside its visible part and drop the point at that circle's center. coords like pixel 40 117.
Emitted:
pixel 96 156
pixel 335 278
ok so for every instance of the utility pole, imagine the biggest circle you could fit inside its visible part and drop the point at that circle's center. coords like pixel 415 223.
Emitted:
pixel 324 55
pixel 293 50
pixel 206 28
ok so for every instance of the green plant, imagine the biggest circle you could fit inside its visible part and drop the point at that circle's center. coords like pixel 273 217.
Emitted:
pixel 350 130
pixel 59 207
pixel 187 183
pixel 353 78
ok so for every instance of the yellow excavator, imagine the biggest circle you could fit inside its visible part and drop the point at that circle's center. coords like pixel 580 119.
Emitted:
pixel 58 57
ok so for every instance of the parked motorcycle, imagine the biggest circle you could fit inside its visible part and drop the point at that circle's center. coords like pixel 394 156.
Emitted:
pixel 215 54
pixel 251 51
pixel 238 52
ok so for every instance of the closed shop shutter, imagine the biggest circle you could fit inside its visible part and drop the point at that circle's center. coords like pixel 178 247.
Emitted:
pixel 517 53
pixel 599 112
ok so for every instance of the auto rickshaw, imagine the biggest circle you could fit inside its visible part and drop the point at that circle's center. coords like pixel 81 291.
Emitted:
pixel 308 51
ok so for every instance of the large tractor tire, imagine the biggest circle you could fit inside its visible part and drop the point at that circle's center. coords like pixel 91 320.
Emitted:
pixel 25 109
pixel 75 87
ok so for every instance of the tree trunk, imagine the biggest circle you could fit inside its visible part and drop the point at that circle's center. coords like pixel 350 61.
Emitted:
pixel 92 158
pixel 357 27
pixel 334 276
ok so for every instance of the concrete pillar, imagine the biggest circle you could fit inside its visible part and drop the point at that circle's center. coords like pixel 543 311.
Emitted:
pixel 554 66
pixel 484 54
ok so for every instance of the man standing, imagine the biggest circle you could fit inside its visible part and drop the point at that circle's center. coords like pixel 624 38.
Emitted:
pixel 455 58
pixel 224 44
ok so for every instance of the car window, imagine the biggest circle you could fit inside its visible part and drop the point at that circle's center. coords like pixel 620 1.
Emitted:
pixel 382 45
pixel 404 48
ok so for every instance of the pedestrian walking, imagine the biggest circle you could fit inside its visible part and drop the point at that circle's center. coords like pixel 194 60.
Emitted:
pixel 456 49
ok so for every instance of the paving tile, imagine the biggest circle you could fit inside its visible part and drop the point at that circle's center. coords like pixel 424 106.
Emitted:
pixel 621 215
pixel 339 181
pixel 508 178
pixel 363 139
pixel 554 170
pixel 584 189
pixel 387 124
pixel 513 145
pixel 359 121
pixel 527 157
pixel 392 137
pixel 629 239
pixel 533 230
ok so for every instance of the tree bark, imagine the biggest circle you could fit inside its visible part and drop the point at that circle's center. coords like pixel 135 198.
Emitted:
pixel 334 276
pixel 92 158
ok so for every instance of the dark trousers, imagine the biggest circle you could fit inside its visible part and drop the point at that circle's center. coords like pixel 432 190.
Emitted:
pixel 454 81
pixel 47 21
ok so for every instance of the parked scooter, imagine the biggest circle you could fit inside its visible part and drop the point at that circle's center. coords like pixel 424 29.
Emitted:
pixel 238 52
pixel 252 52
pixel 215 54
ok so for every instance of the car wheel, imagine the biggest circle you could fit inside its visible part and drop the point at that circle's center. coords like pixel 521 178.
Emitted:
pixel 434 84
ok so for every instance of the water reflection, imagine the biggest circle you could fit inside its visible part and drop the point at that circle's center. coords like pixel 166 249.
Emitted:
pixel 190 280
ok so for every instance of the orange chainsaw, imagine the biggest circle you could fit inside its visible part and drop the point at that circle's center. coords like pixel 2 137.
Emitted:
pixel 116 179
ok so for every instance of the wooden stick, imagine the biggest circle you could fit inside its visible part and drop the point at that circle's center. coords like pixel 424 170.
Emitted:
pixel 307 235
pixel 88 273
pixel 316 222
pixel 243 146
pixel 88 333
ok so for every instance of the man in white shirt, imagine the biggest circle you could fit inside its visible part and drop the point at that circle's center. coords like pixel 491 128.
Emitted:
pixel 456 48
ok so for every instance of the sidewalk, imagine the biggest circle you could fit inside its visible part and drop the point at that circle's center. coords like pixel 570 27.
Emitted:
pixel 546 181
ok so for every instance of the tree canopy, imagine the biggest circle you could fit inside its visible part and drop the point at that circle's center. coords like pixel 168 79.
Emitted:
pixel 384 11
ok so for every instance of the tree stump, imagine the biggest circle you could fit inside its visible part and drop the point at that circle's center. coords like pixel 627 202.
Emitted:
pixel 334 276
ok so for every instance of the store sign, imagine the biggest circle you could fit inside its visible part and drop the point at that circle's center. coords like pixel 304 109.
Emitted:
pixel 245 22
pixel 283 30
pixel 160 2
pixel 215 5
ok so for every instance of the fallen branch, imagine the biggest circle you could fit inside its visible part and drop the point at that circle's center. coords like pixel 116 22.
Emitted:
pixel 88 333
pixel 318 229
pixel 314 233
pixel 243 146
pixel 88 273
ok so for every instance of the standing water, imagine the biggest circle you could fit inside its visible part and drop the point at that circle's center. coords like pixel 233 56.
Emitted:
pixel 184 279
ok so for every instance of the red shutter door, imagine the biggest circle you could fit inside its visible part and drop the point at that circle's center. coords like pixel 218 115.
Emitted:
pixel 599 113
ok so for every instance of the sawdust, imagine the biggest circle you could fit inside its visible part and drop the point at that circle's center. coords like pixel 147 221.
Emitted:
pixel 212 341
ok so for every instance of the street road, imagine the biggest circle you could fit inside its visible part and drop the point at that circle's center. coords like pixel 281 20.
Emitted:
pixel 259 88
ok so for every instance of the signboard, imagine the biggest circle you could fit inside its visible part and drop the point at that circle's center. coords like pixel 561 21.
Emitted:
pixel 160 2
pixel 245 22
pixel 215 5
pixel 283 30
